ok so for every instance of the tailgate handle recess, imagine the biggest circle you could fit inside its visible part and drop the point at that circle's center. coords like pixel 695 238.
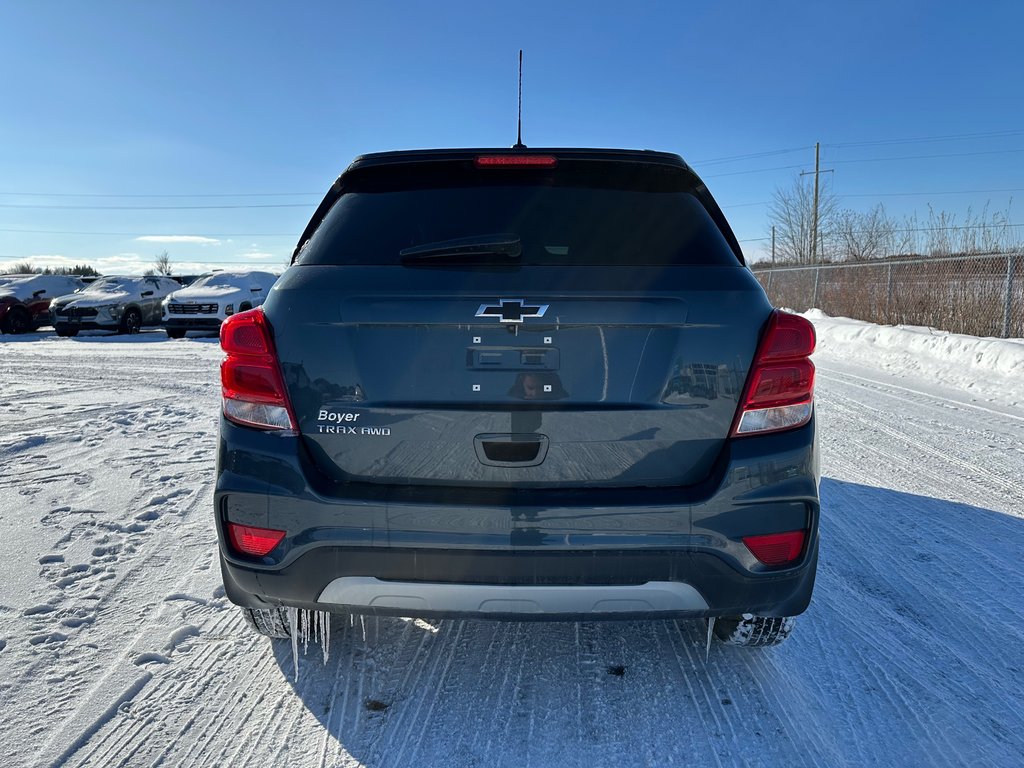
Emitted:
pixel 511 450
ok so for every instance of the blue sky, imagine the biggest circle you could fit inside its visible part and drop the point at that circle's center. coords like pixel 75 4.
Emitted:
pixel 174 119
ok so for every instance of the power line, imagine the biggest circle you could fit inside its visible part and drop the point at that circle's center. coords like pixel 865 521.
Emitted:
pixel 276 261
pixel 147 234
pixel 756 170
pixel 132 195
pixel 716 160
pixel 151 207
pixel 921 194
pixel 870 160
pixel 880 142
pixel 922 139
pixel 752 155
pixel 915 229
pixel 930 157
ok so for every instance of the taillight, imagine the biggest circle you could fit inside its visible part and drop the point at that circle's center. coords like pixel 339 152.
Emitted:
pixel 780 387
pixel 776 548
pixel 516 161
pixel 250 375
pixel 253 541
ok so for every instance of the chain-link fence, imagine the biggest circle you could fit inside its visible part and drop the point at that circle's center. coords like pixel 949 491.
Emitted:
pixel 981 295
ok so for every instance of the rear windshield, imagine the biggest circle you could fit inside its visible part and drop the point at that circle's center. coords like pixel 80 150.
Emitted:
pixel 557 220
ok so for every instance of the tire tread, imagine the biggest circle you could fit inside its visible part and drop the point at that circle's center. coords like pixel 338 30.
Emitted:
pixel 271 622
pixel 754 631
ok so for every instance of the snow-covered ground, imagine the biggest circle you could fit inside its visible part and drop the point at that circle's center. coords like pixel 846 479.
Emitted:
pixel 118 648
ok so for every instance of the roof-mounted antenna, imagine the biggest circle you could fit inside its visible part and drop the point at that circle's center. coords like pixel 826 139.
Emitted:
pixel 519 127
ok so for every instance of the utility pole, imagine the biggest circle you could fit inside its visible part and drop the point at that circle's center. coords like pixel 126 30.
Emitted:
pixel 814 215
pixel 814 224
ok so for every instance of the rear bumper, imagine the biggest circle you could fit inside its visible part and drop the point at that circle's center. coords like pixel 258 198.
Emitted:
pixel 641 552
pixel 522 585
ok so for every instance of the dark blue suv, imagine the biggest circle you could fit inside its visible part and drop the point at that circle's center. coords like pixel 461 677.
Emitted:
pixel 519 384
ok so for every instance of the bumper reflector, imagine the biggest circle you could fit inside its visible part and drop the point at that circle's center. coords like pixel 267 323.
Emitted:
pixel 776 548
pixel 253 541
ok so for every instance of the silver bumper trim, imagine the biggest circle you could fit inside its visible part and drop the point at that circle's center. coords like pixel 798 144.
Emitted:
pixel 652 597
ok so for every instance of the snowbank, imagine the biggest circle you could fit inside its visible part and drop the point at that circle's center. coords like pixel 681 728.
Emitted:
pixel 980 365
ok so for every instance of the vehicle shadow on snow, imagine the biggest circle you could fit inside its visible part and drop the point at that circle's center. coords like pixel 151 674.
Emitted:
pixel 892 632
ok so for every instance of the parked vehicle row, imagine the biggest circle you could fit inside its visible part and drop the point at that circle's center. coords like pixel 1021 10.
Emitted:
pixel 127 304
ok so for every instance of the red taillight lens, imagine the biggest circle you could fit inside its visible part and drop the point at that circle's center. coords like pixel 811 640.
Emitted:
pixel 787 337
pixel 776 548
pixel 780 384
pixel 780 387
pixel 251 380
pixel 253 541
pixel 251 383
pixel 516 161
pixel 245 334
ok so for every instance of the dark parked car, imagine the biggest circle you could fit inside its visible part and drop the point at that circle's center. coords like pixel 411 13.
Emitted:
pixel 119 304
pixel 25 301
pixel 519 384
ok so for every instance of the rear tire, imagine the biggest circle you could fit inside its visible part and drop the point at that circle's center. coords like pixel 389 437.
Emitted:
pixel 754 631
pixel 271 622
pixel 175 333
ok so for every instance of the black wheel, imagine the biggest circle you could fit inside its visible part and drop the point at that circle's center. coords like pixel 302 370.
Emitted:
pixel 19 321
pixel 131 322
pixel 175 333
pixel 272 622
pixel 754 631
pixel 63 330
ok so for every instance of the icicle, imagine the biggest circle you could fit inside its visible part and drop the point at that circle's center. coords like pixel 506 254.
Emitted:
pixel 293 625
pixel 711 629
pixel 325 634
pixel 305 631
pixel 362 623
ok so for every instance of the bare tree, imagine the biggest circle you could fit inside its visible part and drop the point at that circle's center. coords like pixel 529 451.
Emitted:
pixel 869 235
pixel 161 265
pixel 792 213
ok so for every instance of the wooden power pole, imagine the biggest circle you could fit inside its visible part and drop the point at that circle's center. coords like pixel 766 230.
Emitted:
pixel 814 214
pixel 814 221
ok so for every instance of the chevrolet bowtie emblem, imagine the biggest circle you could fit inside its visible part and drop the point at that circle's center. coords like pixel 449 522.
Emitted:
pixel 511 310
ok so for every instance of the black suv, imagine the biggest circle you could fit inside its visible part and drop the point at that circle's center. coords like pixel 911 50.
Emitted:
pixel 519 384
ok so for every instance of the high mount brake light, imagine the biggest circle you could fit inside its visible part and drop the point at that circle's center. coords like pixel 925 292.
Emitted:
pixel 780 387
pixel 253 541
pixel 516 161
pixel 776 548
pixel 250 375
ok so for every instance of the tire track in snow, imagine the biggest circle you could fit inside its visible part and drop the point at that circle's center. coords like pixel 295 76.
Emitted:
pixel 947 453
pixel 898 661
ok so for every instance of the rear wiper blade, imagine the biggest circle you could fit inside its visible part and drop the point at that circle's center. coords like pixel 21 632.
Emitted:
pixel 507 247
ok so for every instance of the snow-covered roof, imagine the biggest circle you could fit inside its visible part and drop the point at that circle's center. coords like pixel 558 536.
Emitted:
pixel 51 285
